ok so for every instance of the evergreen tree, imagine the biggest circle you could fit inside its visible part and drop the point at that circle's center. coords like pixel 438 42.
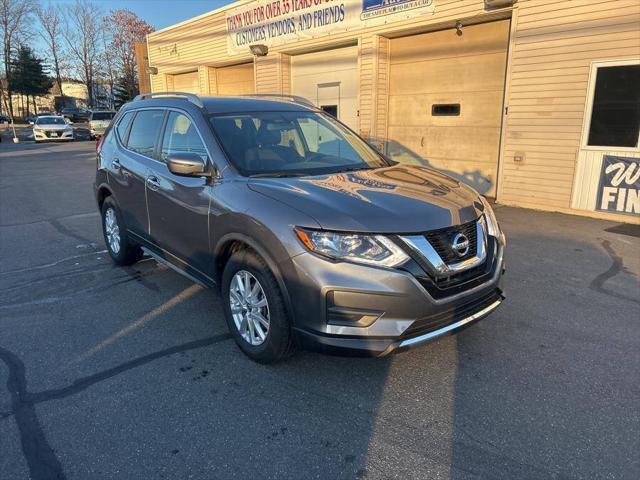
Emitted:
pixel 124 90
pixel 29 75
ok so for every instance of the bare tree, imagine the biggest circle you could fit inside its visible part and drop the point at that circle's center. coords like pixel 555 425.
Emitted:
pixel 14 27
pixel 82 35
pixel 52 24
pixel 125 30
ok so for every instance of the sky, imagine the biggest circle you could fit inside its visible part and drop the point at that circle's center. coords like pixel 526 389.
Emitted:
pixel 158 13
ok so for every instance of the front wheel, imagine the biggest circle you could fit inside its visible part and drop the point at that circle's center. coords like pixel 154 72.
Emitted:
pixel 121 249
pixel 254 308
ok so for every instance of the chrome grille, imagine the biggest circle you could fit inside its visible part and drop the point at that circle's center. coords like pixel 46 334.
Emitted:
pixel 441 240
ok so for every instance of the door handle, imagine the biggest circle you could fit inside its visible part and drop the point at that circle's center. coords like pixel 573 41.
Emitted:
pixel 116 164
pixel 153 183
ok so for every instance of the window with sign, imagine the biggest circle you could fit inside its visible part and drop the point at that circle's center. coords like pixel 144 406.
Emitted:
pixel 615 112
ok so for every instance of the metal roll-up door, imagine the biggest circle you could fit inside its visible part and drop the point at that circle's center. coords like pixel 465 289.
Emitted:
pixel 446 98
pixel 186 82
pixel 235 80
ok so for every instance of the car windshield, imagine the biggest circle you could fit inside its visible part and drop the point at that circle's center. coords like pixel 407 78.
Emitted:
pixel 50 121
pixel 102 115
pixel 292 144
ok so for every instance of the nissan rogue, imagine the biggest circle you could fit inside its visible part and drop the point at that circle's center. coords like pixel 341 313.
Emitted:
pixel 314 238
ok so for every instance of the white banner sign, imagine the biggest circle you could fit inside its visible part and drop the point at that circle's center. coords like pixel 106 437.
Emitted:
pixel 275 22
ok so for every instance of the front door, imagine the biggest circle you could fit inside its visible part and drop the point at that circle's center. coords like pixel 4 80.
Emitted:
pixel 334 89
pixel 179 206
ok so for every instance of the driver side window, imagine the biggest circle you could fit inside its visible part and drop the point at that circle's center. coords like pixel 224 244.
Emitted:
pixel 180 135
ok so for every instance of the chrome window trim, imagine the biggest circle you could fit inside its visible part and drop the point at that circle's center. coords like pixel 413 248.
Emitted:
pixel 420 245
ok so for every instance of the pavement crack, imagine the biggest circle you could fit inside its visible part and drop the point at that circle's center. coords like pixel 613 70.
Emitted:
pixel 38 453
pixel 40 457
pixel 85 382
pixel 67 232
pixel 617 266
pixel 35 222
pixel 52 264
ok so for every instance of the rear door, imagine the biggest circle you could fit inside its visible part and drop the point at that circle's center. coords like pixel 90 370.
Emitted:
pixel 179 206
pixel 130 164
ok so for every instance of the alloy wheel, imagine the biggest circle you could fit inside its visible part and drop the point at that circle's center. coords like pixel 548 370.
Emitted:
pixel 249 308
pixel 112 230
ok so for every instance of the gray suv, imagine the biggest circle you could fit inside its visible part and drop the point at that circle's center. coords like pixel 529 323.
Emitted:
pixel 314 238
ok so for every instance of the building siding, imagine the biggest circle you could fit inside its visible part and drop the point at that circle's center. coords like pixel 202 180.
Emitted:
pixel 552 46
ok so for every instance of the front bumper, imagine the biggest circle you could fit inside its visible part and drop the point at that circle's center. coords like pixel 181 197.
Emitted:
pixel 61 135
pixel 349 308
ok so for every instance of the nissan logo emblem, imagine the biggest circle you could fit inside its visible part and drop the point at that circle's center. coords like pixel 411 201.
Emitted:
pixel 460 244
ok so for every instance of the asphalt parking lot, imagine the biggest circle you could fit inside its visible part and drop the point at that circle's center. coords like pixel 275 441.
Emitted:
pixel 126 373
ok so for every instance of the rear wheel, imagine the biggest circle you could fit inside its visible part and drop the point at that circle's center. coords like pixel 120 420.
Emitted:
pixel 254 308
pixel 121 249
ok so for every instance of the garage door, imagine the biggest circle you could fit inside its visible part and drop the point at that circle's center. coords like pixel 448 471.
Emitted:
pixel 445 101
pixel 330 80
pixel 186 82
pixel 235 80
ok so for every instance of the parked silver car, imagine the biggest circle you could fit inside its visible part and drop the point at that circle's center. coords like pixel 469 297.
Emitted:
pixel 314 238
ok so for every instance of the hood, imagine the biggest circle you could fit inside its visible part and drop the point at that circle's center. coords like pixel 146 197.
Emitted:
pixel 50 126
pixel 398 199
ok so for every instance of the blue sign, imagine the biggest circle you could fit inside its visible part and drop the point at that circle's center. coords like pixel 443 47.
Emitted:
pixel 379 8
pixel 619 189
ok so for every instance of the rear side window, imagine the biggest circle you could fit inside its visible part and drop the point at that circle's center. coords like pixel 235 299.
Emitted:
pixel 123 124
pixel 144 131
pixel 180 135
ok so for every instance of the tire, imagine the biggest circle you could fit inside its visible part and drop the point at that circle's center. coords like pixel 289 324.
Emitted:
pixel 120 247
pixel 277 343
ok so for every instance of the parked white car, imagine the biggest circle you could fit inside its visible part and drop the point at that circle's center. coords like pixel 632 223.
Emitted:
pixel 99 121
pixel 52 128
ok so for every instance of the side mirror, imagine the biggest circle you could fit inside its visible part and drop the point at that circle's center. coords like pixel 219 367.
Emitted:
pixel 187 164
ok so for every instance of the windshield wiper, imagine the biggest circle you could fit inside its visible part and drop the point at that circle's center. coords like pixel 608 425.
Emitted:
pixel 353 169
pixel 278 175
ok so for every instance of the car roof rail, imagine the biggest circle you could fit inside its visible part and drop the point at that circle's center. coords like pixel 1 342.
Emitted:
pixel 191 97
pixel 291 98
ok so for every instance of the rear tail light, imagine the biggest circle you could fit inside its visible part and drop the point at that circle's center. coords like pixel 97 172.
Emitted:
pixel 99 144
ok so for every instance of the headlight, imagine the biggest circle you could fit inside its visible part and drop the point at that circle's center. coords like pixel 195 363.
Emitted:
pixel 367 249
pixel 493 228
